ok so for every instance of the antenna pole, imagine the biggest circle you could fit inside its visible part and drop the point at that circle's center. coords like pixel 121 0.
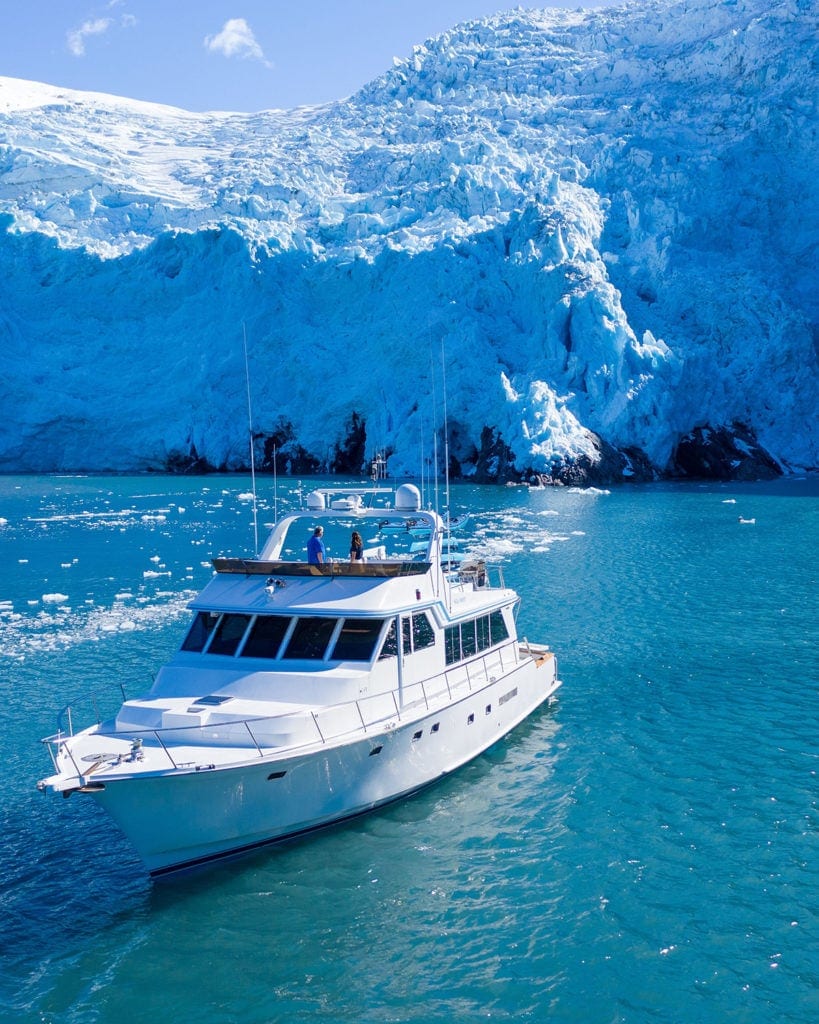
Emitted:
pixel 446 473
pixel 275 487
pixel 252 457
pixel 446 432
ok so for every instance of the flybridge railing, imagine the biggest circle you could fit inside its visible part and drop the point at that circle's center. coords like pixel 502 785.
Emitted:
pixel 294 730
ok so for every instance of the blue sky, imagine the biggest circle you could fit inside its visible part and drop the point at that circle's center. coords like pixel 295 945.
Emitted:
pixel 242 55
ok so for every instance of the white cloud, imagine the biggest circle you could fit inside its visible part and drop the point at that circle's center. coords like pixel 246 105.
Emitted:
pixel 236 40
pixel 76 37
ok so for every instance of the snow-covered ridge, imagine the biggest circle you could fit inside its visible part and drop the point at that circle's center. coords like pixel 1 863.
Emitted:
pixel 607 219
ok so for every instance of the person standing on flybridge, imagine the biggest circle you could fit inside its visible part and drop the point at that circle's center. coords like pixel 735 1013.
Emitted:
pixel 316 552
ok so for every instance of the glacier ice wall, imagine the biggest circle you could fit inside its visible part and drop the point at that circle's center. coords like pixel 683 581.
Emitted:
pixel 603 225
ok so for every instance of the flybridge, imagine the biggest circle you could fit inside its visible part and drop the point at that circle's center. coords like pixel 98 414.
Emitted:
pixel 390 520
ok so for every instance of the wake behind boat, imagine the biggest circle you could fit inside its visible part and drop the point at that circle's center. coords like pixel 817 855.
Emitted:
pixel 304 694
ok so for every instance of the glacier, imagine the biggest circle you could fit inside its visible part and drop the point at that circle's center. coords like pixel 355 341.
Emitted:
pixel 581 244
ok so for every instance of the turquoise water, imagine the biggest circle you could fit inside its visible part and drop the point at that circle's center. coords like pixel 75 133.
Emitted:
pixel 647 851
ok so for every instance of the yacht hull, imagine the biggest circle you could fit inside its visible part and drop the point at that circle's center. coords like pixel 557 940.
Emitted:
pixel 179 820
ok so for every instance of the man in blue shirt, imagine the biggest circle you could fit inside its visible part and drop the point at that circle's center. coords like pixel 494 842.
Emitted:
pixel 316 554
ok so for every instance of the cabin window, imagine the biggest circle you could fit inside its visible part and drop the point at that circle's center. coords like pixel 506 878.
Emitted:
pixel 482 633
pixel 497 627
pixel 357 639
pixel 266 636
pixel 406 635
pixel 471 637
pixel 452 644
pixel 200 631
pixel 228 634
pixel 417 633
pixel 310 638
pixel 389 649
pixel 423 635
pixel 468 647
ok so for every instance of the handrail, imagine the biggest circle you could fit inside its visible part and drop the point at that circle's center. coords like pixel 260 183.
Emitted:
pixel 476 679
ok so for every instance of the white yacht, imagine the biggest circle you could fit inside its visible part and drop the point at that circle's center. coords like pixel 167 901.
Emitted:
pixel 305 694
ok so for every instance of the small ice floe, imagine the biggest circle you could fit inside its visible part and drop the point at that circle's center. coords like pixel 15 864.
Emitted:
pixel 22 561
pixel 3 522
pixel 730 501
pixel 181 509
pixel 154 558
pixel 65 565
pixel 245 496
pixel 746 522
pixel 152 574
pixel 154 519
pixel 6 606
pixel 55 598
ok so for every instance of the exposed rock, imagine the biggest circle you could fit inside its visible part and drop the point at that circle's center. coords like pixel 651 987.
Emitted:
pixel 722 453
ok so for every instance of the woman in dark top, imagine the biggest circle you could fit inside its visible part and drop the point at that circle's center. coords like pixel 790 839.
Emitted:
pixel 356 547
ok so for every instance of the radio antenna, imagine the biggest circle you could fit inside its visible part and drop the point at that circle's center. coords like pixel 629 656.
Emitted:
pixel 252 457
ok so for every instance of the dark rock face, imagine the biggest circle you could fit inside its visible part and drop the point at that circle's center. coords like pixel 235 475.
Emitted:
pixel 722 453
pixel 494 461
pixel 610 466
pixel 282 454
pixel 351 454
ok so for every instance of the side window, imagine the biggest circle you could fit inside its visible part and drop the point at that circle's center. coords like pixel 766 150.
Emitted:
pixel 482 632
pixel 389 649
pixel 266 636
pixel 423 635
pixel 357 639
pixel 406 639
pixel 452 644
pixel 200 631
pixel 228 634
pixel 497 627
pixel 310 638
pixel 468 647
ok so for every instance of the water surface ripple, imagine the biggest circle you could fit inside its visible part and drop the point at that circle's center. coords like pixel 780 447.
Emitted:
pixel 645 851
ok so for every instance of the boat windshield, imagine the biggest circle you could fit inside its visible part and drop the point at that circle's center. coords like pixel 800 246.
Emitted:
pixel 387 538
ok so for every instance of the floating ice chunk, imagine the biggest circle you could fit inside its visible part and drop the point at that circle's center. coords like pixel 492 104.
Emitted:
pixel 55 598
pixel 245 496
pixel 152 574
pixel 730 501
pixel 154 558
pixel 3 522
